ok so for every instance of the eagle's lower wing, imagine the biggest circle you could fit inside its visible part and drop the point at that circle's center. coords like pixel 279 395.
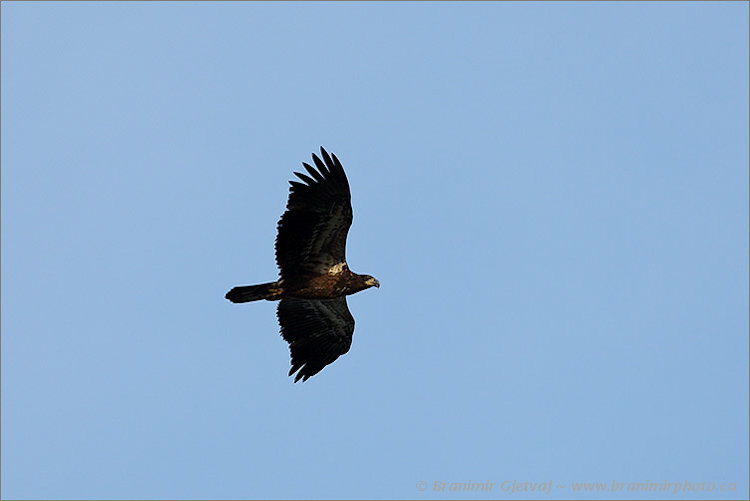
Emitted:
pixel 318 332
pixel 312 232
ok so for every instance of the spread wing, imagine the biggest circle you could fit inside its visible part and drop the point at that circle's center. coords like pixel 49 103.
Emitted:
pixel 318 332
pixel 312 232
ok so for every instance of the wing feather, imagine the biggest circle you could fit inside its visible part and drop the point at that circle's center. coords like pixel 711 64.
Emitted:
pixel 312 232
pixel 315 174
pixel 318 332
pixel 305 178
pixel 319 163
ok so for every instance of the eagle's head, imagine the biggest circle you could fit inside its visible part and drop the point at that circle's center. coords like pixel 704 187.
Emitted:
pixel 371 281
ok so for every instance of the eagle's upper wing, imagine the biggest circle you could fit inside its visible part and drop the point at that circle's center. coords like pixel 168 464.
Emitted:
pixel 312 232
pixel 318 332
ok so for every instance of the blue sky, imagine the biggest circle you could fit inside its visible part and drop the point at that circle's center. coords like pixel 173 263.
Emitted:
pixel 554 197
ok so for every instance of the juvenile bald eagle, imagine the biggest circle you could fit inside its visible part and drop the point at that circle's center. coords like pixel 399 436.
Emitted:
pixel 314 277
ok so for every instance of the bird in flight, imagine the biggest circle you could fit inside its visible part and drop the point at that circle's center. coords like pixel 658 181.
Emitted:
pixel 314 277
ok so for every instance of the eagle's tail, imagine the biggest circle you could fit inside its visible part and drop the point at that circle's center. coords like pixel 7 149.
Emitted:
pixel 246 293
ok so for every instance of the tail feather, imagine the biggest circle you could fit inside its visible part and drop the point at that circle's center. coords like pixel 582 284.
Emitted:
pixel 247 293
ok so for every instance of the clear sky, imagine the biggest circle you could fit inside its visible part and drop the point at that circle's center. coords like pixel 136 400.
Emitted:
pixel 554 197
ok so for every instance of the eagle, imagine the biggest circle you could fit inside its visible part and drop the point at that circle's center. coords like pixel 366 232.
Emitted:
pixel 314 278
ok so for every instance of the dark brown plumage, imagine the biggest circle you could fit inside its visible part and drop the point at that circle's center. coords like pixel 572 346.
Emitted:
pixel 314 277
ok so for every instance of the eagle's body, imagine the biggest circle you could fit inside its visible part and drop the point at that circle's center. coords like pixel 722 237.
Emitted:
pixel 303 286
pixel 315 279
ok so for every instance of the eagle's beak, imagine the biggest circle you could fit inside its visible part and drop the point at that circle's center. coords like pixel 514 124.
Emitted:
pixel 373 282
